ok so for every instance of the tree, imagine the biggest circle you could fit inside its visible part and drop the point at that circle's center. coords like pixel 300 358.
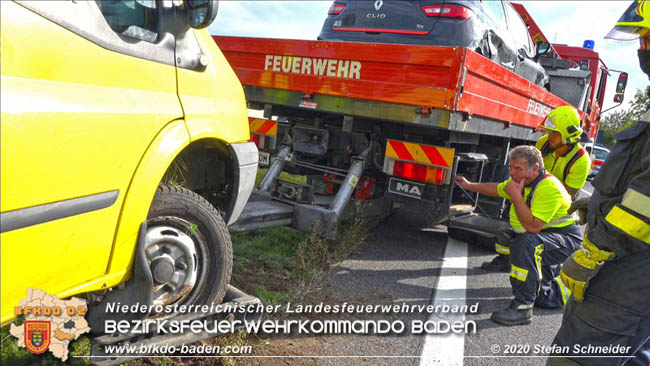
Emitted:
pixel 617 121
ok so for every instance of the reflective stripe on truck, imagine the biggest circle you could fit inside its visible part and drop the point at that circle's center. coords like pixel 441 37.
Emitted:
pixel 419 162
pixel 263 133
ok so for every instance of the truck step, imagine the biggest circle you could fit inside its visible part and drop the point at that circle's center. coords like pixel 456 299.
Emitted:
pixel 479 224
pixel 262 214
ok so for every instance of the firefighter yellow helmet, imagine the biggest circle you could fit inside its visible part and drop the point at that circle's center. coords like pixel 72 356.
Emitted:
pixel 566 121
pixel 634 23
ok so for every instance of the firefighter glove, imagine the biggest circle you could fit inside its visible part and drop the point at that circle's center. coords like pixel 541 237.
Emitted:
pixel 582 266
pixel 582 206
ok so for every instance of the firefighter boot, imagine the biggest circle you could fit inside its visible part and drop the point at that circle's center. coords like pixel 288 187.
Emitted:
pixel 500 263
pixel 515 314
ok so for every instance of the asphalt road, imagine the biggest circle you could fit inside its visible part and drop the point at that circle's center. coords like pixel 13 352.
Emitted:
pixel 410 262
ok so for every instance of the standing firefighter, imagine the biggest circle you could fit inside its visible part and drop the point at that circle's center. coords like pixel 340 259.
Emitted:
pixel 610 275
pixel 545 234
pixel 564 158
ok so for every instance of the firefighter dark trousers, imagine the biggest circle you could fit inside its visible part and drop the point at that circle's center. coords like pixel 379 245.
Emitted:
pixel 535 261
pixel 614 312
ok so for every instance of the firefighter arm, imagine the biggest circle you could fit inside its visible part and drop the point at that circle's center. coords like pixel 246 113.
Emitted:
pixel 631 217
pixel 582 266
pixel 573 192
pixel 628 220
pixel 577 176
pixel 488 189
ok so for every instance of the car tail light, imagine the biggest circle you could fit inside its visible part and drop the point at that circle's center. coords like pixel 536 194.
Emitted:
pixel 447 11
pixel 597 162
pixel 336 9
pixel 418 172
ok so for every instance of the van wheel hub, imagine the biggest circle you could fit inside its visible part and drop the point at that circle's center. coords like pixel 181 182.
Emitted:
pixel 162 269
pixel 172 257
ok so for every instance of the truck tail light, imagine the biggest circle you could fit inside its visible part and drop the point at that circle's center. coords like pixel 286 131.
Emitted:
pixel 260 140
pixel 447 11
pixel 336 9
pixel 417 172
pixel 256 139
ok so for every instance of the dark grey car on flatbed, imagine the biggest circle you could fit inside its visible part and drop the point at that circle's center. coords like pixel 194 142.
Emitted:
pixel 492 28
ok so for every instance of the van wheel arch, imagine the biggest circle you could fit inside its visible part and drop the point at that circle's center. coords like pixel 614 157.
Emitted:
pixel 206 168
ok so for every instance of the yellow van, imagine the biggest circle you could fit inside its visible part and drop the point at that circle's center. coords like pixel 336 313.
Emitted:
pixel 104 105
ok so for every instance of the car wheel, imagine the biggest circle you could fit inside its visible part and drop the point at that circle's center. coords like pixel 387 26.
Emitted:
pixel 188 249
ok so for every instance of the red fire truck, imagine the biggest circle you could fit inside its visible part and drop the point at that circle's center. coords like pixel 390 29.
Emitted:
pixel 391 124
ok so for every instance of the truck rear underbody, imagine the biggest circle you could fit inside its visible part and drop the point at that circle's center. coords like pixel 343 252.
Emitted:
pixel 386 125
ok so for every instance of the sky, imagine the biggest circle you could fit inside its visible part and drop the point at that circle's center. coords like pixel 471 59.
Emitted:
pixel 565 22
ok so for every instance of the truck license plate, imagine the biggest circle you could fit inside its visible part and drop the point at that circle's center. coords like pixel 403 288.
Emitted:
pixel 405 188
pixel 264 158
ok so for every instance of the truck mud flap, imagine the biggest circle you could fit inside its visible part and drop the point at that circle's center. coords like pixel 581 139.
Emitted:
pixel 234 298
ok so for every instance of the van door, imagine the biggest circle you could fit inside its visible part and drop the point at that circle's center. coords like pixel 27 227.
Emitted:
pixel 85 89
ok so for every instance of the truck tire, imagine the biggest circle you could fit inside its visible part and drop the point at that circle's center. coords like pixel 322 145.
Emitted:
pixel 472 238
pixel 461 235
pixel 188 248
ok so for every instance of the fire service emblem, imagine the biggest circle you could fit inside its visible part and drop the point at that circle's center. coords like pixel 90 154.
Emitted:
pixel 37 335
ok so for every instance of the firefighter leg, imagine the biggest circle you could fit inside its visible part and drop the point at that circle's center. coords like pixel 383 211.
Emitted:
pixel 553 293
pixel 525 274
pixel 559 244
pixel 500 263
pixel 614 312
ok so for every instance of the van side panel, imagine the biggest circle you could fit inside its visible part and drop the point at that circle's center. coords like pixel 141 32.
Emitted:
pixel 76 120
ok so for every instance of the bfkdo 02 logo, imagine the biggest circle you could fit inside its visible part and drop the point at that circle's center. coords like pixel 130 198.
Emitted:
pixel 50 323
pixel 38 334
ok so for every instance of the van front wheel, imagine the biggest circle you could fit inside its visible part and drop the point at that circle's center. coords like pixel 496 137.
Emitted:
pixel 188 249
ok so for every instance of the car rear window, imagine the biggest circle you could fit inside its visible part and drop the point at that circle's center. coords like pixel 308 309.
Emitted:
pixel 600 154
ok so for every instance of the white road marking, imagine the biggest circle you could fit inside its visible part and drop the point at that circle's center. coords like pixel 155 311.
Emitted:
pixel 448 349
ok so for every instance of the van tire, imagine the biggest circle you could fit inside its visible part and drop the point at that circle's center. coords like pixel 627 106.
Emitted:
pixel 191 214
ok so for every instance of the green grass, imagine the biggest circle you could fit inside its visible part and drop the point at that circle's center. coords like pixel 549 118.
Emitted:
pixel 282 264
pixel 272 297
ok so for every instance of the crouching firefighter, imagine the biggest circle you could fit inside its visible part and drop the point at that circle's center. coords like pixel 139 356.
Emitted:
pixel 565 158
pixel 610 275
pixel 545 234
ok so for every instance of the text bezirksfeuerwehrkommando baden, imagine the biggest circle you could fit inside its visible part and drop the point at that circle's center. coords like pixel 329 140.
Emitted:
pixel 304 326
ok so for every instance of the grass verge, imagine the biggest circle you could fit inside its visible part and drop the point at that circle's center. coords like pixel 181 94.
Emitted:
pixel 282 264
